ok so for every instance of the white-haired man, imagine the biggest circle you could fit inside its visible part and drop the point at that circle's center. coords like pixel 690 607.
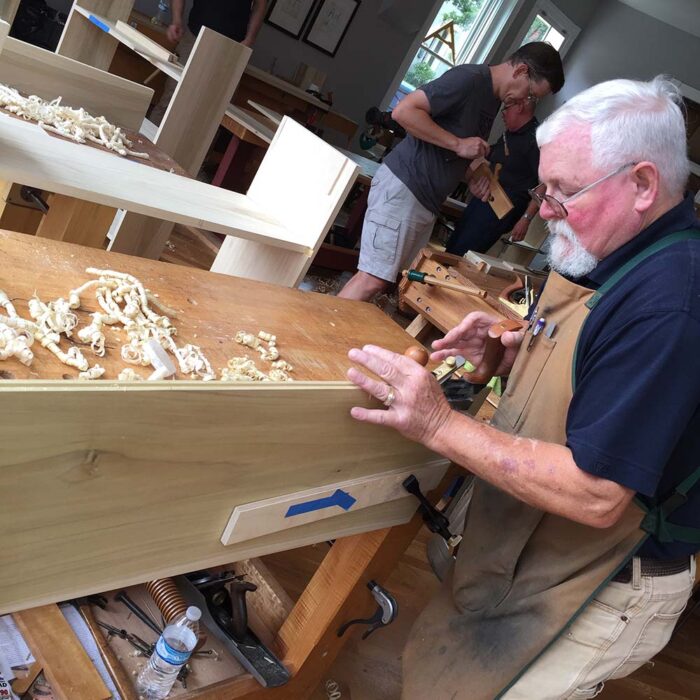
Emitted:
pixel 577 556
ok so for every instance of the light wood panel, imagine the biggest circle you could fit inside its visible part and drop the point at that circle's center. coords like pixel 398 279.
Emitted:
pixel 65 663
pixel 93 471
pixel 33 157
pixel 35 71
pixel 5 27
pixel 145 44
pixel 188 128
pixel 135 482
pixel 302 181
pixel 76 220
pixel 101 23
pixel 274 515
pixel 82 40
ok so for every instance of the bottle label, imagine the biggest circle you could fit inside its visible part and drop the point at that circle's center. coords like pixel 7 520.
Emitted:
pixel 170 655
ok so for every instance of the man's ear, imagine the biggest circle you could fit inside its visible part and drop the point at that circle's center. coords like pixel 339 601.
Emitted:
pixel 520 69
pixel 645 177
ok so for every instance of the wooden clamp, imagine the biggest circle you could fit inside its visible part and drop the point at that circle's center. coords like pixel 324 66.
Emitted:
pixel 499 200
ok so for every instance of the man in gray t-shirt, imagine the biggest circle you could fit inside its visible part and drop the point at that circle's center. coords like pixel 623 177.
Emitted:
pixel 448 122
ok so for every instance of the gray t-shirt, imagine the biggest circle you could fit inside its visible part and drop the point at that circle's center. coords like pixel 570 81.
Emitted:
pixel 461 102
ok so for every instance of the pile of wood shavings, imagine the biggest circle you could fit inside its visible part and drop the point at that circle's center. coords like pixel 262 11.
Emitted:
pixel 243 369
pixel 75 124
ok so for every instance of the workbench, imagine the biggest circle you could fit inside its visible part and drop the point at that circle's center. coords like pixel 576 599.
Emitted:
pixel 73 446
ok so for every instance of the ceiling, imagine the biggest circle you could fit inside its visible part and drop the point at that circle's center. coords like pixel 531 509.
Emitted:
pixel 682 14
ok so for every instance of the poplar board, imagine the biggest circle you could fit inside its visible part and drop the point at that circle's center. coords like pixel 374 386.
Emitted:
pixel 35 71
pixel 83 520
pixel 303 182
pixel 107 484
pixel 116 33
pixel 274 514
pixel 83 41
pixel 33 157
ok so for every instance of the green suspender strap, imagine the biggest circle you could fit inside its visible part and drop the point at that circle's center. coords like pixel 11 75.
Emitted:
pixel 655 522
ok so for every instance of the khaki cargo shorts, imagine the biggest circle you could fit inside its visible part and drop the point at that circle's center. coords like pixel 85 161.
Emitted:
pixel 396 227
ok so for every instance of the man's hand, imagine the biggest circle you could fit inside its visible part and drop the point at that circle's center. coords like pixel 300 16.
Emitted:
pixel 248 42
pixel 480 187
pixel 469 339
pixel 472 147
pixel 175 32
pixel 519 230
pixel 419 408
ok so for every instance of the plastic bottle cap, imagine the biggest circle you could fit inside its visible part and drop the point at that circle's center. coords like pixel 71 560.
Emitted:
pixel 193 613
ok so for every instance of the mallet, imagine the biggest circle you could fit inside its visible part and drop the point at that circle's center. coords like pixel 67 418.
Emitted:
pixel 425 278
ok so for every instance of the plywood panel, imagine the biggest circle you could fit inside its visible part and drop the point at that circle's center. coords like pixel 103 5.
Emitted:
pixel 305 182
pixel 35 71
pixel 83 41
pixel 31 156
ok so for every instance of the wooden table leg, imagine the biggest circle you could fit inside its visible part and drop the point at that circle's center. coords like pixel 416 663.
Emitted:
pixel 226 161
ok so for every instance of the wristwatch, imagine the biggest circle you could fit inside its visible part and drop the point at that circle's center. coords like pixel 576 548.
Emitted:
pixel 527 217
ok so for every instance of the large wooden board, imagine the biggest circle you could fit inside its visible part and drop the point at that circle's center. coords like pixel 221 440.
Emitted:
pixel 31 156
pixel 83 41
pixel 109 484
pixel 35 71
pixel 188 128
pixel 307 196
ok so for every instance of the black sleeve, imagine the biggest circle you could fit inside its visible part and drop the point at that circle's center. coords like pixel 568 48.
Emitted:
pixel 449 92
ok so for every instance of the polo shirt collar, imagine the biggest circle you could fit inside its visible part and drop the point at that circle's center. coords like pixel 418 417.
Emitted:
pixel 679 218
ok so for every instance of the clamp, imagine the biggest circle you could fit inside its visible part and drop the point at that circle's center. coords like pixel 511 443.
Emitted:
pixel 386 612
pixel 435 520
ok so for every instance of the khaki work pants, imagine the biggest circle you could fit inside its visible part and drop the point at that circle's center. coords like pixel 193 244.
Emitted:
pixel 624 627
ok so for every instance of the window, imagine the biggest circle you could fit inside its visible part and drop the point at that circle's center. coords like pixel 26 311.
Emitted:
pixel 463 31
pixel 547 23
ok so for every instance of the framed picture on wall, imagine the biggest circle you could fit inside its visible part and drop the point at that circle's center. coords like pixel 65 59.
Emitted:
pixel 289 16
pixel 330 23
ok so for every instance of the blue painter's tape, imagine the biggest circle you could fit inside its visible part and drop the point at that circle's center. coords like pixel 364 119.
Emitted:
pixel 340 498
pixel 99 24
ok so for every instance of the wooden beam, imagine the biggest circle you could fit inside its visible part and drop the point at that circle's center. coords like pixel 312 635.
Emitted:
pixel 155 469
pixel 35 158
pixel 83 41
pixel 35 71
pixel 64 661
pixel 305 182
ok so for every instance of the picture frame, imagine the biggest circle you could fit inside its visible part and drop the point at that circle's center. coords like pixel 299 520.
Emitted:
pixel 330 23
pixel 289 16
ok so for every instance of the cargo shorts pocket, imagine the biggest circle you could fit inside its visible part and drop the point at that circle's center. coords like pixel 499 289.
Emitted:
pixel 384 232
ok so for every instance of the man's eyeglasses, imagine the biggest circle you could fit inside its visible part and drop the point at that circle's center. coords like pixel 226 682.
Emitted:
pixel 539 193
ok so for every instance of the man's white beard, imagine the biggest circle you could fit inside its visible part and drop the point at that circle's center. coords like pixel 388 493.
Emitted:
pixel 566 252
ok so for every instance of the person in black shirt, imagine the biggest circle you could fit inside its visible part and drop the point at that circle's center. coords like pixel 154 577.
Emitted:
pixel 479 227
pixel 239 20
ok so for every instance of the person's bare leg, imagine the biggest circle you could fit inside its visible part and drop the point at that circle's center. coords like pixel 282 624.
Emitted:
pixel 363 286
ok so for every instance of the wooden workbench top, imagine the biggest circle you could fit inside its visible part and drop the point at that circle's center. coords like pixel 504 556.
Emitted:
pixel 314 331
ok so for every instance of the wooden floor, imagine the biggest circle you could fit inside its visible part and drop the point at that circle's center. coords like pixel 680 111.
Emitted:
pixel 371 669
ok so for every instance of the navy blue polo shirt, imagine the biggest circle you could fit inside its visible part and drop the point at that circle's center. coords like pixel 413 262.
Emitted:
pixel 635 414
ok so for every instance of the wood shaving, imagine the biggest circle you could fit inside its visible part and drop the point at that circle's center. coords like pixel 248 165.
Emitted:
pixel 75 124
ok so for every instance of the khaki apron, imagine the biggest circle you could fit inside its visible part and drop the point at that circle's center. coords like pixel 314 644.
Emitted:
pixel 523 575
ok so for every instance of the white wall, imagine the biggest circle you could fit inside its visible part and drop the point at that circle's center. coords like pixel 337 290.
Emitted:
pixel 620 42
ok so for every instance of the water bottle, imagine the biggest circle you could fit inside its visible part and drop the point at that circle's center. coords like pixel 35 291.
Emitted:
pixel 171 653
pixel 161 17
